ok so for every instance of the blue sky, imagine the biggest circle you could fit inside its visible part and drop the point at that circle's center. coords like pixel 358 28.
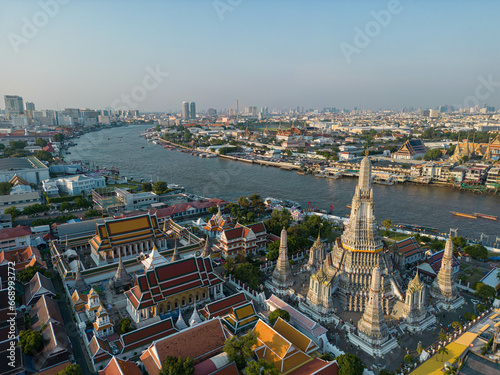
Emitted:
pixel 280 54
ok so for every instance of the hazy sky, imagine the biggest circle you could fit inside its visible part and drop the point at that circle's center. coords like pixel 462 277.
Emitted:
pixel 265 53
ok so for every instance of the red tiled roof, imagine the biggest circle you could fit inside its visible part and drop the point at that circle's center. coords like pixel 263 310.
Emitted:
pixel 169 279
pixel 19 231
pixel 317 367
pixel 22 258
pixel 146 335
pixel 223 306
pixel 408 246
pixel 199 342
pixel 118 367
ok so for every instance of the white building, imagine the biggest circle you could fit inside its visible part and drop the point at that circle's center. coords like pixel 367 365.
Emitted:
pixel 136 201
pixel 74 185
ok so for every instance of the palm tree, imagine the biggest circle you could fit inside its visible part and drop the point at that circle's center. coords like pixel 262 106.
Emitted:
pixel 442 350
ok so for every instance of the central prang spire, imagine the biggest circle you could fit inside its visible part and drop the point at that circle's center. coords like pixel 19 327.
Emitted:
pixel 361 232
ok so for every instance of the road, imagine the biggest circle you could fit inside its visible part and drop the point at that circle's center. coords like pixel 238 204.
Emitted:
pixel 76 341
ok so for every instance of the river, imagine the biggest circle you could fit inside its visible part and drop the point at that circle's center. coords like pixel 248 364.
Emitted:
pixel 225 179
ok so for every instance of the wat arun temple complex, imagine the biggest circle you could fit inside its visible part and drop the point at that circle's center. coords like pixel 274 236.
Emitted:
pixel 359 275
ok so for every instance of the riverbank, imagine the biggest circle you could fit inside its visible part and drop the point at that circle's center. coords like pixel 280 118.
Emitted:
pixel 381 175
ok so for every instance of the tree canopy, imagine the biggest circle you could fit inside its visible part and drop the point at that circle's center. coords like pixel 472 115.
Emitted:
pixel 476 251
pixel 30 341
pixel 73 369
pixel 278 313
pixel 177 365
pixel 433 154
pixel 5 188
pixel 28 273
pixel 239 348
pixel 260 367
pixel 485 291
pixel 13 212
pixel 160 187
pixel 349 364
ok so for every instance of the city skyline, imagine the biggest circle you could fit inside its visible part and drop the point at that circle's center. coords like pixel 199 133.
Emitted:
pixel 370 55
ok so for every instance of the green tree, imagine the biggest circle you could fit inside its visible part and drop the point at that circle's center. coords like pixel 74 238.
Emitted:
pixel 456 325
pixel 92 213
pixel 326 357
pixel 387 224
pixel 485 291
pixel 476 251
pixel 249 274
pixel 177 366
pixel 5 188
pixel 30 341
pixel 260 367
pixel 349 364
pixel 17 145
pixel 160 187
pixel 146 186
pixel 65 206
pixel 58 137
pixel 28 273
pixel 442 350
pixel 212 210
pixel 433 154
pixel 239 348
pixel 278 313
pixel 82 203
pixel 408 358
pixel 41 142
pixel 13 212
pixel 243 202
pixel 125 325
pixel 442 335
pixel 44 155
pixel 73 369
pixel 469 316
pixel 273 251
pixel 229 265
pixel 459 242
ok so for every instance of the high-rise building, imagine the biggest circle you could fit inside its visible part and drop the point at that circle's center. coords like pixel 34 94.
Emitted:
pixel 192 110
pixel 30 106
pixel 13 106
pixel 185 110
pixel 212 112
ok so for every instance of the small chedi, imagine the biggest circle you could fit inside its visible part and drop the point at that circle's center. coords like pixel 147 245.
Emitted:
pixel 282 278
pixel 443 288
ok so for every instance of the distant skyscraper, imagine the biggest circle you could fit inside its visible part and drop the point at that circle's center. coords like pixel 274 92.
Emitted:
pixel 30 106
pixel 13 106
pixel 192 110
pixel 185 110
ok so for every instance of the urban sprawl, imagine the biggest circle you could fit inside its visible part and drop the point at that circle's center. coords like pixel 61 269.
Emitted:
pixel 117 276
